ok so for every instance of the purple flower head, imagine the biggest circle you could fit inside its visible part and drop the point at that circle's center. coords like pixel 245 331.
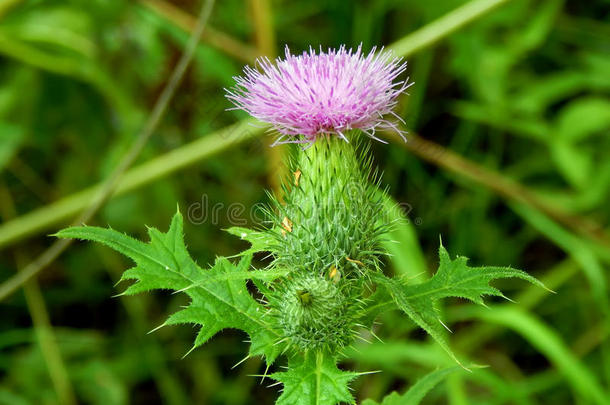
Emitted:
pixel 322 93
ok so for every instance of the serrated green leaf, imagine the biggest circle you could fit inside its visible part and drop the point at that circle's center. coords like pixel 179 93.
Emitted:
pixel 454 278
pixel 417 392
pixel 314 380
pixel 259 241
pixel 422 311
pixel 219 297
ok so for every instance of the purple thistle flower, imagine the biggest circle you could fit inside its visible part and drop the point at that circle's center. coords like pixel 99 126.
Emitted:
pixel 326 93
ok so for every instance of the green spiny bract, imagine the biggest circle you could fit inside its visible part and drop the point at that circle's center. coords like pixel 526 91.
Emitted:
pixel 330 215
pixel 327 233
pixel 316 313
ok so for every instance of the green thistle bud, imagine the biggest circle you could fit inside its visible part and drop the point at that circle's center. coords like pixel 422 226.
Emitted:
pixel 315 313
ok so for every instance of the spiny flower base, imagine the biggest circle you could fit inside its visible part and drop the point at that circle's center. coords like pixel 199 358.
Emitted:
pixel 330 215
pixel 327 233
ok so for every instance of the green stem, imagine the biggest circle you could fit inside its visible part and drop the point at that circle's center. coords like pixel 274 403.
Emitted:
pixel 80 69
pixel 442 27
pixel 48 217
pixel 211 36
pixel 41 322
pixel 546 341
pixel 48 343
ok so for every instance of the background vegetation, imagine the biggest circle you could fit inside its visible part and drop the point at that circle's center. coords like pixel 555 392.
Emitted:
pixel 512 103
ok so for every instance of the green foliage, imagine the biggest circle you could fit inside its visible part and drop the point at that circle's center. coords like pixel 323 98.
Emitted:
pixel 314 380
pixel 11 137
pixel 219 297
pixel 97 373
pixel 522 90
pixel 416 393
pixel 314 316
pixel 260 241
pixel 546 341
pixel 454 278
pixel 310 309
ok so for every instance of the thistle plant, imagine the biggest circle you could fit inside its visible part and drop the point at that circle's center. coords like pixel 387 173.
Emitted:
pixel 324 284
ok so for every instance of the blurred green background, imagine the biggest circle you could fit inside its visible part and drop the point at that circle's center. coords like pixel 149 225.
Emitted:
pixel 514 107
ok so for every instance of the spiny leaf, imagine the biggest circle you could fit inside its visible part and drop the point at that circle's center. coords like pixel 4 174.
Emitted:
pixel 219 297
pixel 417 392
pixel 314 380
pixel 259 241
pixel 453 279
pixel 266 275
pixel 421 310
